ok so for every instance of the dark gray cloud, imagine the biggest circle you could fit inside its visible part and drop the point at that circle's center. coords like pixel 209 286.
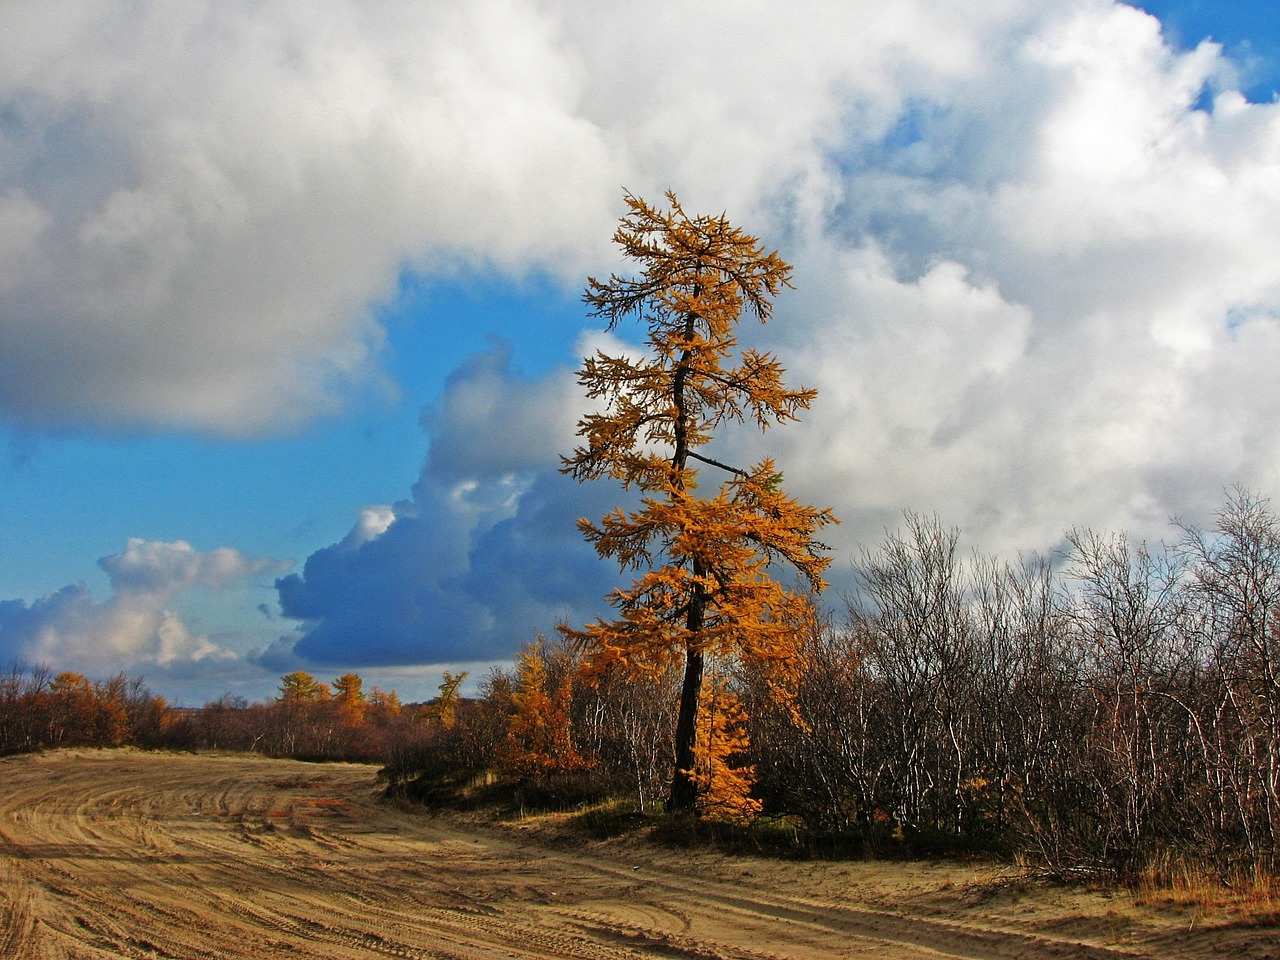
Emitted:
pixel 486 552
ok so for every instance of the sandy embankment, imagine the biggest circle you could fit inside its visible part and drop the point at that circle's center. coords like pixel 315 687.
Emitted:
pixel 127 854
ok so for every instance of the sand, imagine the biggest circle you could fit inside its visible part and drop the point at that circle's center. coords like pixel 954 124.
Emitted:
pixel 132 854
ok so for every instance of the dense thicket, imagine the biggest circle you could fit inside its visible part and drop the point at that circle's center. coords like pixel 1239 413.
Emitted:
pixel 39 709
pixel 1107 709
pixel 1111 711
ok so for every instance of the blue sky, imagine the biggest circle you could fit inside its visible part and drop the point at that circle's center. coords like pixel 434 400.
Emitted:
pixel 1248 31
pixel 289 304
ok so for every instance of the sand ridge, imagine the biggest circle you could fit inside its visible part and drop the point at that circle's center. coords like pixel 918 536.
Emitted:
pixel 156 855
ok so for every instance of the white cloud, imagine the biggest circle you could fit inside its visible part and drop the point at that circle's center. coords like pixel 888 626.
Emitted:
pixel 135 626
pixel 1052 316
pixel 163 569
pixel 371 523
pixel 1037 266
pixel 492 423
pixel 226 189
pixel 219 192
pixel 1037 285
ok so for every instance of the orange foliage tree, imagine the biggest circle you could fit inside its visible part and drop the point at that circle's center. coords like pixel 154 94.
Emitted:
pixel 539 740
pixel 444 708
pixel 385 701
pixel 350 700
pixel 706 589
pixel 724 783
pixel 88 712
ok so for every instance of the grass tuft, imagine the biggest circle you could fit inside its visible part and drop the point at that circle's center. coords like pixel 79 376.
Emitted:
pixel 1245 897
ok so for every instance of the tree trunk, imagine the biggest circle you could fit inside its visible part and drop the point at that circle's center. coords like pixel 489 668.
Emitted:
pixel 684 789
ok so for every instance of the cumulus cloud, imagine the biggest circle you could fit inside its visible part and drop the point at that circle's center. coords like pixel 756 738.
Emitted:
pixel 1037 287
pixel 135 627
pixel 1038 280
pixel 483 555
pixel 1057 297
pixel 203 203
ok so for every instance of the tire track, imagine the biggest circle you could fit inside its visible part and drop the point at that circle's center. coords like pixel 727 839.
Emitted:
pixel 761 909
pixel 126 854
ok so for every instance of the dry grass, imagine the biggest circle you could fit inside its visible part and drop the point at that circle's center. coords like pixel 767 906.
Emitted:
pixel 1245 897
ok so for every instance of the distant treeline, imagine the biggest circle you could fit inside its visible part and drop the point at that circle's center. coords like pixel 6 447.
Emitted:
pixel 40 710
pixel 1107 710
pixel 307 720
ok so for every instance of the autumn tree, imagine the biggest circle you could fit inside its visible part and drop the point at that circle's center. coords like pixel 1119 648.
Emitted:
pixel 444 708
pixel 350 699
pixel 350 707
pixel 302 717
pixel 539 741
pixel 706 589
pixel 724 782
pixel 383 701
pixel 301 687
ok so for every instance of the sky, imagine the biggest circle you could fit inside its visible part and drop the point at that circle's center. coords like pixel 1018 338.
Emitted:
pixel 290 298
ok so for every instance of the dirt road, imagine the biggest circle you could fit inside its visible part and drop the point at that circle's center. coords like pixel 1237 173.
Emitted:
pixel 127 854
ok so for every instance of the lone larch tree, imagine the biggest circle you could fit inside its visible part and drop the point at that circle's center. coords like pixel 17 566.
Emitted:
pixel 706 588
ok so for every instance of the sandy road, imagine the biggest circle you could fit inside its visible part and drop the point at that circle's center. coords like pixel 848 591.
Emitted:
pixel 127 854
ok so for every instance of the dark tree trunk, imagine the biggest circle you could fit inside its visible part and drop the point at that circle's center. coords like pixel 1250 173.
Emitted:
pixel 684 790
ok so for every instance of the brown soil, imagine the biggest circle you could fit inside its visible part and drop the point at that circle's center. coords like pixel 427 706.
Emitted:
pixel 129 854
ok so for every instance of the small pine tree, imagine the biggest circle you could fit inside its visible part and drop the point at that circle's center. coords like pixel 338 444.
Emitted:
pixel 724 786
pixel 539 740
pixel 350 700
pixel 444 708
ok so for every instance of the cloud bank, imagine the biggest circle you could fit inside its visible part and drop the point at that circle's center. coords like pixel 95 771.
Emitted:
pixel 203 203
pixel 484 555
pixel 136 626
pixel 1038 276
